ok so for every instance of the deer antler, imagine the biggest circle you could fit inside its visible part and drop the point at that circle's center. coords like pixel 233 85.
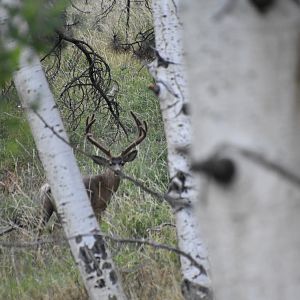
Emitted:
pixel 142 128
pixel 88 125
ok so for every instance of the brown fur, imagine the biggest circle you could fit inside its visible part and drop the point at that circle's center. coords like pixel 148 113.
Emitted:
pixel 100 189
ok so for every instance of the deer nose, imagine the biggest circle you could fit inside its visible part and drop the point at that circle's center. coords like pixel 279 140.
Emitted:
pixel 116 167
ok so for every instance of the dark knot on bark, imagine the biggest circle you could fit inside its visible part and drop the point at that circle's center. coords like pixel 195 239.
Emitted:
pixel 221 170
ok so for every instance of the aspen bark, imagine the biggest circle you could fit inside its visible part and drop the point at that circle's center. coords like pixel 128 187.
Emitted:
pixel 169 73
pixel 243 65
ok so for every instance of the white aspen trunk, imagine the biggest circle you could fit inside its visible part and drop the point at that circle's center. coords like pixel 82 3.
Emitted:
pixel 169 74
pixel 244 76
pixel 78 219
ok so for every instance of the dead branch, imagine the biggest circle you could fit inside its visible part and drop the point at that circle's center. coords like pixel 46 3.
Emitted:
pixel 95 80
pixel 22 245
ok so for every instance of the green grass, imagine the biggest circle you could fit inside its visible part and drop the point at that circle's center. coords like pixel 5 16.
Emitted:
pixel 14 134
pixel 40 274
pixel 49 272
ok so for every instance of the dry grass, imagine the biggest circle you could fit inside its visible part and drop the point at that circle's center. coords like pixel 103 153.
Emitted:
pixel 48 271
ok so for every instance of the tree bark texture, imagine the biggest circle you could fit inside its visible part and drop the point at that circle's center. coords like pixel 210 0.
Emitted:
pixel 170 85
pixel 244 65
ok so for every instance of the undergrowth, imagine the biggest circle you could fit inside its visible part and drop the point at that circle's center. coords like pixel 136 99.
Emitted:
pixel 48 271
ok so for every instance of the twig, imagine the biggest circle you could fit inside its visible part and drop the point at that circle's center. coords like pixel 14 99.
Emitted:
pixel 20 245
pixel 138 183
pixel 7 229
pixel 158 246
pixel 77 8
pixel 52 49
pixel 160 227
pixel 153 244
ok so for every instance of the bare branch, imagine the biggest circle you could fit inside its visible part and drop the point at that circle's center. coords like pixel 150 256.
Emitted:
pixel 157 246
pixel 5 244
pixel 77 8
pixel 160 227
pixel 96 75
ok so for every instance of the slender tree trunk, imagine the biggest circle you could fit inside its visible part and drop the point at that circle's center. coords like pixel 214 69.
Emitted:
pixel 243 62
pixel 78 220
pixel 168 71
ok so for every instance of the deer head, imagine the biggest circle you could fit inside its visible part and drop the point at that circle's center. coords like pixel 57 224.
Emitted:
pixel 116 162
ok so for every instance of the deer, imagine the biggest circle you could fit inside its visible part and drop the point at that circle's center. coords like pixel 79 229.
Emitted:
pixel 100 187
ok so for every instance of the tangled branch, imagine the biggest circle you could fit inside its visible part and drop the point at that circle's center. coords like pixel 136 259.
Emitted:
pixel 91 86
pixel 106 7
pixel 53 69
pixel 142 46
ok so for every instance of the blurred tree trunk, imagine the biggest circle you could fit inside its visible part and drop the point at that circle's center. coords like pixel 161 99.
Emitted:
pixel 78 220
pixel 170 86
pixel 244 66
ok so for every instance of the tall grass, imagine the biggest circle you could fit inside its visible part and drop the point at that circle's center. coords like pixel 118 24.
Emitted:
pixel 48 271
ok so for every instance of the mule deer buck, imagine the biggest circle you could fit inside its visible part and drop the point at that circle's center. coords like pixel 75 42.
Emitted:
pixel 101 187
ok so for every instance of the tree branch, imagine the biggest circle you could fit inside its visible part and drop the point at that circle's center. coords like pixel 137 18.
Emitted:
pixel 20 245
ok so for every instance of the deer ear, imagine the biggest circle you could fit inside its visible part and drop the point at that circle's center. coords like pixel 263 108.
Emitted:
pixel 130 156
pixel 99 160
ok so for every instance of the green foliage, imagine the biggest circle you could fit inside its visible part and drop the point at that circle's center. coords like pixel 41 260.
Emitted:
pixel 15 135
pixel 41 19
pixel 33 274
pixel 8 63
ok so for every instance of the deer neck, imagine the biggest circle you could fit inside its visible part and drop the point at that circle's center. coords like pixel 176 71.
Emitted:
pixel 112 179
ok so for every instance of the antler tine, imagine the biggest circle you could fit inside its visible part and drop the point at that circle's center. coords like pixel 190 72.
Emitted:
pixel 139 123
pixel 88 125
pixel 142 133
